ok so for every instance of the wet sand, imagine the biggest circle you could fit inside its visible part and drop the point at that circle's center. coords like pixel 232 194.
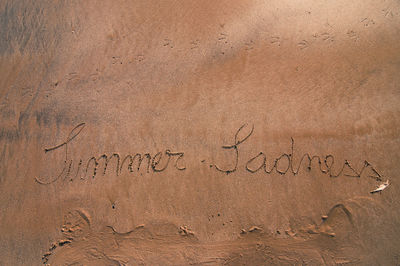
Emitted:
pixel 199 132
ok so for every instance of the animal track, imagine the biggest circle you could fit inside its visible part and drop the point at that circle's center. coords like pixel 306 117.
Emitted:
pixel 303 44
pixel 168 43
pixel 95 75
pixel 387 12
pixel 72 75
pixel 249 45
pixel 276 40
pixel 352 35
pixel 26 91
pixel 139 58
pixel 368 22
pixel 194 44
pixel 326 36
pixel 116 60
pixel 223 37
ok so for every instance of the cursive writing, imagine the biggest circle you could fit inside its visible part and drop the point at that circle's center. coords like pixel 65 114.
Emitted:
pixel 160 161
pixel 131 162
pixel 259 162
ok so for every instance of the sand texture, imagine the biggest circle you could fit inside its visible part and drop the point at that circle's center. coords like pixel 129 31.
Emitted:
pixel 199 132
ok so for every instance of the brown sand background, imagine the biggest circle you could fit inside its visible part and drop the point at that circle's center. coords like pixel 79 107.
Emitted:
pixel 147 76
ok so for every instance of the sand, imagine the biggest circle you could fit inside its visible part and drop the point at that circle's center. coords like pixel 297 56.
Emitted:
pixel 199 132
